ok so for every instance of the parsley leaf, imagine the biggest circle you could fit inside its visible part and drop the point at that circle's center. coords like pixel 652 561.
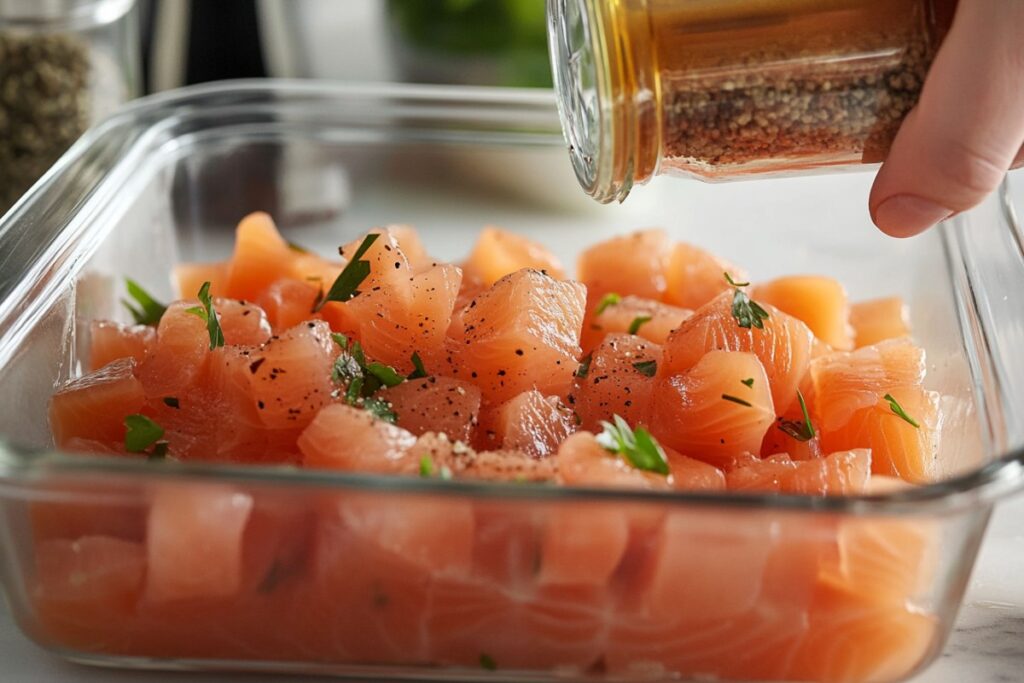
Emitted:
pixel 426 466
pixel 895 406
pixel 380 409
pixel 207 313
pixel 728 278
pixel 141 433
pixel 609 299
pixel 487 662
pixel 735 399
pixel 584 367
pixel 748 313
pixel 387 375
pixel 799 430
pixel 647 368
pixel 146 310
pixel 351 276
pixel 748 381
pixel 638 322
pixel 419 371
pixel 637 446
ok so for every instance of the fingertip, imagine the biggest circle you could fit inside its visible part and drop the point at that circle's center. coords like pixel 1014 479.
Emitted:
pixel 906 215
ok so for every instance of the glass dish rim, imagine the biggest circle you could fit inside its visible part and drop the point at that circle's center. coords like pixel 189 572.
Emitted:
pixel 21 465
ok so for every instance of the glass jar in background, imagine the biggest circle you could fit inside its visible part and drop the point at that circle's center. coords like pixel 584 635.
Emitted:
pixel 64 64
pixel 720 89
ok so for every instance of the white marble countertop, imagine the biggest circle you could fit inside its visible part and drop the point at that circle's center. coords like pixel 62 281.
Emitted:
pixel 987 645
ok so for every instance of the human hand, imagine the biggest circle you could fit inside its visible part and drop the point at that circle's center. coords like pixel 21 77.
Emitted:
pixel 968 127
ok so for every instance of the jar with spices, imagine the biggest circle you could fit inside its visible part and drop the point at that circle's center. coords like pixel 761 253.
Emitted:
pixel 721 89
pixel 64 64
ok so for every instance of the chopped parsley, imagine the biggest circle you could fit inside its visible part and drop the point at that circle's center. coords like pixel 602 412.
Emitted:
pixel 736 399
pixel 801 430
pixel 171 402
pixel 141 433
pixel 419 370
pixel 387 375
pixel 380 409
pixel 647 368
pixel 346 286
pixel 426 466
pixel 487 662
pixel 609 299
pixel 146 310
pixel 638 322
pixel 208 315
pixel 748 313
pixel 584 367
pixel 895 406
pixel 637 446
pixel 748 381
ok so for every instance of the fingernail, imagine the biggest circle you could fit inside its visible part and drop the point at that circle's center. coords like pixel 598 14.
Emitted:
pixel 905 215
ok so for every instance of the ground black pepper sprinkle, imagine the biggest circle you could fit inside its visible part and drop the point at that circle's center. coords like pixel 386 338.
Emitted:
pixel 789 104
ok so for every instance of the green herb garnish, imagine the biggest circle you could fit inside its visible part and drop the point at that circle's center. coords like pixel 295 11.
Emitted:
pixel 419 370
pixel 637 446
pixel 298 248
pixel 426 466
pixel 584 367
pixel 171 402
pixel 609 299
pixel 735 399
pixel 387 375
pixel 748 381
pixel 748 313
pixel 895 406
pixel 146 310
pixel 799 430
pixel 728 278
pixel 638 322
pixel 208 315
pixel 487 662
pixel 647 368
pixel 141 433
pixel 380 409
pixel 345 287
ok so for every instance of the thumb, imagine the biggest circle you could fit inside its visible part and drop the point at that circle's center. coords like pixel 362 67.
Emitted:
pixel 955 146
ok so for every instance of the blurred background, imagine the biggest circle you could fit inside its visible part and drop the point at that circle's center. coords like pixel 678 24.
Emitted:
pixel 484 42
pixel 67 64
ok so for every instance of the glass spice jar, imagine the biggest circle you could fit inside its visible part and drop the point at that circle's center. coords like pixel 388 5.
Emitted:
pixel 722 89
pixel 64 65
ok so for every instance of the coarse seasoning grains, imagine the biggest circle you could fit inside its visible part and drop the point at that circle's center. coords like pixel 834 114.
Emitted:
pixel 719 89
pixel 44 105
pixel 793 106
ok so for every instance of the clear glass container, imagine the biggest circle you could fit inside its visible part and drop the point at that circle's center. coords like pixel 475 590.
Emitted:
pixel 64 65
pixel 720 89
pixel 378 577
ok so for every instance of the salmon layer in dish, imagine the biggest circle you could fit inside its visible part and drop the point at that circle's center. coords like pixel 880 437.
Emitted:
pixel 660 368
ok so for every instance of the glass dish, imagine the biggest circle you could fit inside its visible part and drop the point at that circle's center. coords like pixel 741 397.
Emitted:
pixel 332 587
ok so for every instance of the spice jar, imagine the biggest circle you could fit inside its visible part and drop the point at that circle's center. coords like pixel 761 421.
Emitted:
pixel 64 64
pixel 721 89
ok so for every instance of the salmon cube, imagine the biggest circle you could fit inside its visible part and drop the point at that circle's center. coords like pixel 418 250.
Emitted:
pixel 93 407
pixel 523 333
pixel 820 302
pixel 110 341
pixel 498 253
